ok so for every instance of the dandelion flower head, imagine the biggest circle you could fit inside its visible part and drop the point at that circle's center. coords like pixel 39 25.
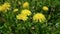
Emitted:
pixel 45 8
pixel 25 5
pixel 21 17
pixel 26 12
pixel 39 17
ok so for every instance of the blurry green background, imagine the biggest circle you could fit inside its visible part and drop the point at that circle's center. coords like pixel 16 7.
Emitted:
pixel 10 25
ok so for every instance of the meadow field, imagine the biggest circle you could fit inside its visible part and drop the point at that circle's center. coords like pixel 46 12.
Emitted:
pixel 29 16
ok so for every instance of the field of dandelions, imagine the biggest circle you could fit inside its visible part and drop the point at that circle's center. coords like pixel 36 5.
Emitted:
pixel 29 16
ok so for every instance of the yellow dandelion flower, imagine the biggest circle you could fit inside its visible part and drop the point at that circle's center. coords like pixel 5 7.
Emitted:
pixel 21 17
pixel 15 10
pixel 39 17
pixel 25 5
pixel 5 6
pixel 45 8
pixel 26 12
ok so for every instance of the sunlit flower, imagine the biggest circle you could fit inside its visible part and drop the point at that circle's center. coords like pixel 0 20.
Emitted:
pixel 39 17
pixel 26 12
pixel 45 8
pixel 25 5
pixel 5 6
pixel 21 17
pixel 15 10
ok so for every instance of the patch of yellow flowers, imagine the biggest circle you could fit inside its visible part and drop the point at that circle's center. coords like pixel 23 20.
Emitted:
pixel 23 15
pixel 39 17
pixel 5 6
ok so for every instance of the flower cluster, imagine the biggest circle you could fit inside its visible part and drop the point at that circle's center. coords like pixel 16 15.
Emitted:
pixel 39 17
pixel 24 14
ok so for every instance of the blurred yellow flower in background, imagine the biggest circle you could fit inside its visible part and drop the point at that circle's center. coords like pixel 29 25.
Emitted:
pixel 39 17
pixel 45 8
pixel 26 12
pixel 21 17
pixel 25 5
pixel 5 6
pixel 15 10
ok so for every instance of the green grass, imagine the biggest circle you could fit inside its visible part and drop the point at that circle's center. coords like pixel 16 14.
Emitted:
pixel 10 25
